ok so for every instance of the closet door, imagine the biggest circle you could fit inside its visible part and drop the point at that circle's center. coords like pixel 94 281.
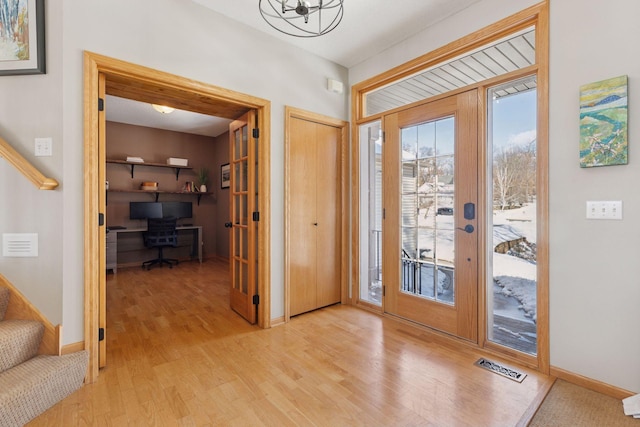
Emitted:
pixel 313 215
pixel 302 217
pixel 328 213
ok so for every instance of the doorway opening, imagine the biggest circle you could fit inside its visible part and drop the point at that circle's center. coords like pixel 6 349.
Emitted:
pixel 103 75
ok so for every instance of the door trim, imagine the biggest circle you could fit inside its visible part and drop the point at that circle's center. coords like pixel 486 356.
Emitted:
pixel 291 113
pixel 537 15
pixel 140 83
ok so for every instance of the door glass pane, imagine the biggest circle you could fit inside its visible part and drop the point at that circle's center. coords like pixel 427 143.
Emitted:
pixel 236 143
pixel 427 225
pixel 371 213
pixel 511 251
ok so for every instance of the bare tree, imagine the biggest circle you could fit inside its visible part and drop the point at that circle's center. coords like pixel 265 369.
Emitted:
pixel 514 175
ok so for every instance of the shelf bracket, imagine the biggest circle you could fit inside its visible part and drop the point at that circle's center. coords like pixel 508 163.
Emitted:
pixel 132 171
pixel 157 194
pixel 199 196
pixel 177 173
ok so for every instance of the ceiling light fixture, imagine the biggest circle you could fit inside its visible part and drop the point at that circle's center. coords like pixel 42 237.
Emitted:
pixel 306 19
pixel 162 109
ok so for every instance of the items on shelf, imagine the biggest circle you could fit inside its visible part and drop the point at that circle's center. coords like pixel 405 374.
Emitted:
pixel 149 186
pixel 176 161
pixel 135 159
pixel 190 187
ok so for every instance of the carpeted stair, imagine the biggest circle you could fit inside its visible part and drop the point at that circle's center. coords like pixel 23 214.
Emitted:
pixel 31 383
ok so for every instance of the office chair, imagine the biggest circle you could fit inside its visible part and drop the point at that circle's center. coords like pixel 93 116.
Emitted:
pixel 161 233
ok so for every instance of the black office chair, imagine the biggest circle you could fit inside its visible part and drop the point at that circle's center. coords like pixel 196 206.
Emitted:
pixel 161 233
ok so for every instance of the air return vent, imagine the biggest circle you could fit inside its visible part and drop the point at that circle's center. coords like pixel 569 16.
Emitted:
pixel 20 244
pixel 499 369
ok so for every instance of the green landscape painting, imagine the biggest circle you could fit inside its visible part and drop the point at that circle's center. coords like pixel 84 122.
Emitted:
pixel 603 123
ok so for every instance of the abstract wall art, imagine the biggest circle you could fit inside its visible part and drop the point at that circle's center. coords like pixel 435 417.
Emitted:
pixel 22 37
pixel 603 123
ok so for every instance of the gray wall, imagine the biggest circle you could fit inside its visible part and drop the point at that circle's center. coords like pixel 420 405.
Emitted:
pixel 594 268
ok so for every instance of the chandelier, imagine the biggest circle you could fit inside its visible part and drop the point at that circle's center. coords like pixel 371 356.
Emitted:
pixel 303 18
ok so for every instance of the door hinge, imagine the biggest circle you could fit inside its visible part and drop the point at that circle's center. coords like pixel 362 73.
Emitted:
pixel 384 137
pixel 256 216
pixel 256 299
pixel 100 334
pixel 256 133
pixel 100 219
pixel 384 213
pixel 100 104
pixel 384 291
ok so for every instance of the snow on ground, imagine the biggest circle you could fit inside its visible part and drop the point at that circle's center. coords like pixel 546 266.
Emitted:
pixel 515 276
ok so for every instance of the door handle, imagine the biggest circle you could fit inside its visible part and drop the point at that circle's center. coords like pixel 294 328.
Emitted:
pixel 228 224
pixel 468 228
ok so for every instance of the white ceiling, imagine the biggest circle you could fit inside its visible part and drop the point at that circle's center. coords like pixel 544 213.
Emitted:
pixel 123 110
pixel 367 28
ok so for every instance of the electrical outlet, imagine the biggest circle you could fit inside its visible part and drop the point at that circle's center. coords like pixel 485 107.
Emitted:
pixel 604 209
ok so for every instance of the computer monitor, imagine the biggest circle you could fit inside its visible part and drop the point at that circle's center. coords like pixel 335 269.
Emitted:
pixel 177 209
pixel 144 210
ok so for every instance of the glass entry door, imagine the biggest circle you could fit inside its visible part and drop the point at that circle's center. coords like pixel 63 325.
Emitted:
pixel 430 217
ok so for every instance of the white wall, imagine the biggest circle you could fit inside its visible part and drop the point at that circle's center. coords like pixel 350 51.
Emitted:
pixel 594 267
pixel 175 36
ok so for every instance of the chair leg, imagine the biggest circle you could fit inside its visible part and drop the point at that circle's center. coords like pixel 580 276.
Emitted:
pixel 160 260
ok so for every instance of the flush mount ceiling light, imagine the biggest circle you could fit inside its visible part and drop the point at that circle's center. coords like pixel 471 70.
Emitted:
pixel 302 18
pixel 162 109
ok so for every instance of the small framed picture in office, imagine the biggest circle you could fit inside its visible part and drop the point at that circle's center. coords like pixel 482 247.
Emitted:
pixel 225 176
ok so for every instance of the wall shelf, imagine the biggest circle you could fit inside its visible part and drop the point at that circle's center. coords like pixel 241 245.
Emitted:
pixel 158 192
pixel 155 165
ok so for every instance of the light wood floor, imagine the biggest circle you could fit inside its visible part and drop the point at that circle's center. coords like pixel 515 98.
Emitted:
pixel 177 355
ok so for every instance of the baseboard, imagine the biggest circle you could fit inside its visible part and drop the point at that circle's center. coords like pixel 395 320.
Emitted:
pixel 72 348
pixel 277 321
pixel 20 308
pixel 591 384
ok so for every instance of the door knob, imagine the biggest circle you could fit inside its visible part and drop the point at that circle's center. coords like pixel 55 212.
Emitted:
pixel 228 224
pixel 468 228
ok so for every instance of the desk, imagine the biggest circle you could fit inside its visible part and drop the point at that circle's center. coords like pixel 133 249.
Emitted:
pixel 113 235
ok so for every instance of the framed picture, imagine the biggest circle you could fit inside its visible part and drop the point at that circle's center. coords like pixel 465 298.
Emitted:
pixel 225 176
pixel 603 123
pixel 22 39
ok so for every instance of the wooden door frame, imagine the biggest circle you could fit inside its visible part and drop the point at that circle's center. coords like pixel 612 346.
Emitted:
pixel 140 83
pixel 343 149
pixel 538 16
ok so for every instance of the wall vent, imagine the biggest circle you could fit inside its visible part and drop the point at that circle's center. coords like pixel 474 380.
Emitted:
pixel 20 244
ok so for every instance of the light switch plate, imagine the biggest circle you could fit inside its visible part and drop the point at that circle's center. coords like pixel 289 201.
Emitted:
pixel 44 147
pixel 604 209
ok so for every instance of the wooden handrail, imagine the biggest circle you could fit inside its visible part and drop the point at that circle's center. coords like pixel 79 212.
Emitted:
pixel 26 168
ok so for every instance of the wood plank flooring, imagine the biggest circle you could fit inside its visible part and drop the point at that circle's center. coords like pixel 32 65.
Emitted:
pixel 178 356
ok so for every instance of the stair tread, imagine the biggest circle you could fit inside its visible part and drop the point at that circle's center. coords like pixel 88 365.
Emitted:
pixel 34 386
pixel 19 341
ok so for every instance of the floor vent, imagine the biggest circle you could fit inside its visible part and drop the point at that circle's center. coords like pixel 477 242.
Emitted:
pixel 510 373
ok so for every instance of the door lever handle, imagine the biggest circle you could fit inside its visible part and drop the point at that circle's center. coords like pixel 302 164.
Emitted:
pixel 468 228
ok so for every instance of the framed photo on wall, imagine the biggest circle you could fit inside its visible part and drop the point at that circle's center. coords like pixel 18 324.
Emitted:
pixel 225 176
pixel 22 37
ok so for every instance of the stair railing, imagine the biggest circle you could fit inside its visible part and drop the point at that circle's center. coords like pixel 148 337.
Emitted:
pixel 26 168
